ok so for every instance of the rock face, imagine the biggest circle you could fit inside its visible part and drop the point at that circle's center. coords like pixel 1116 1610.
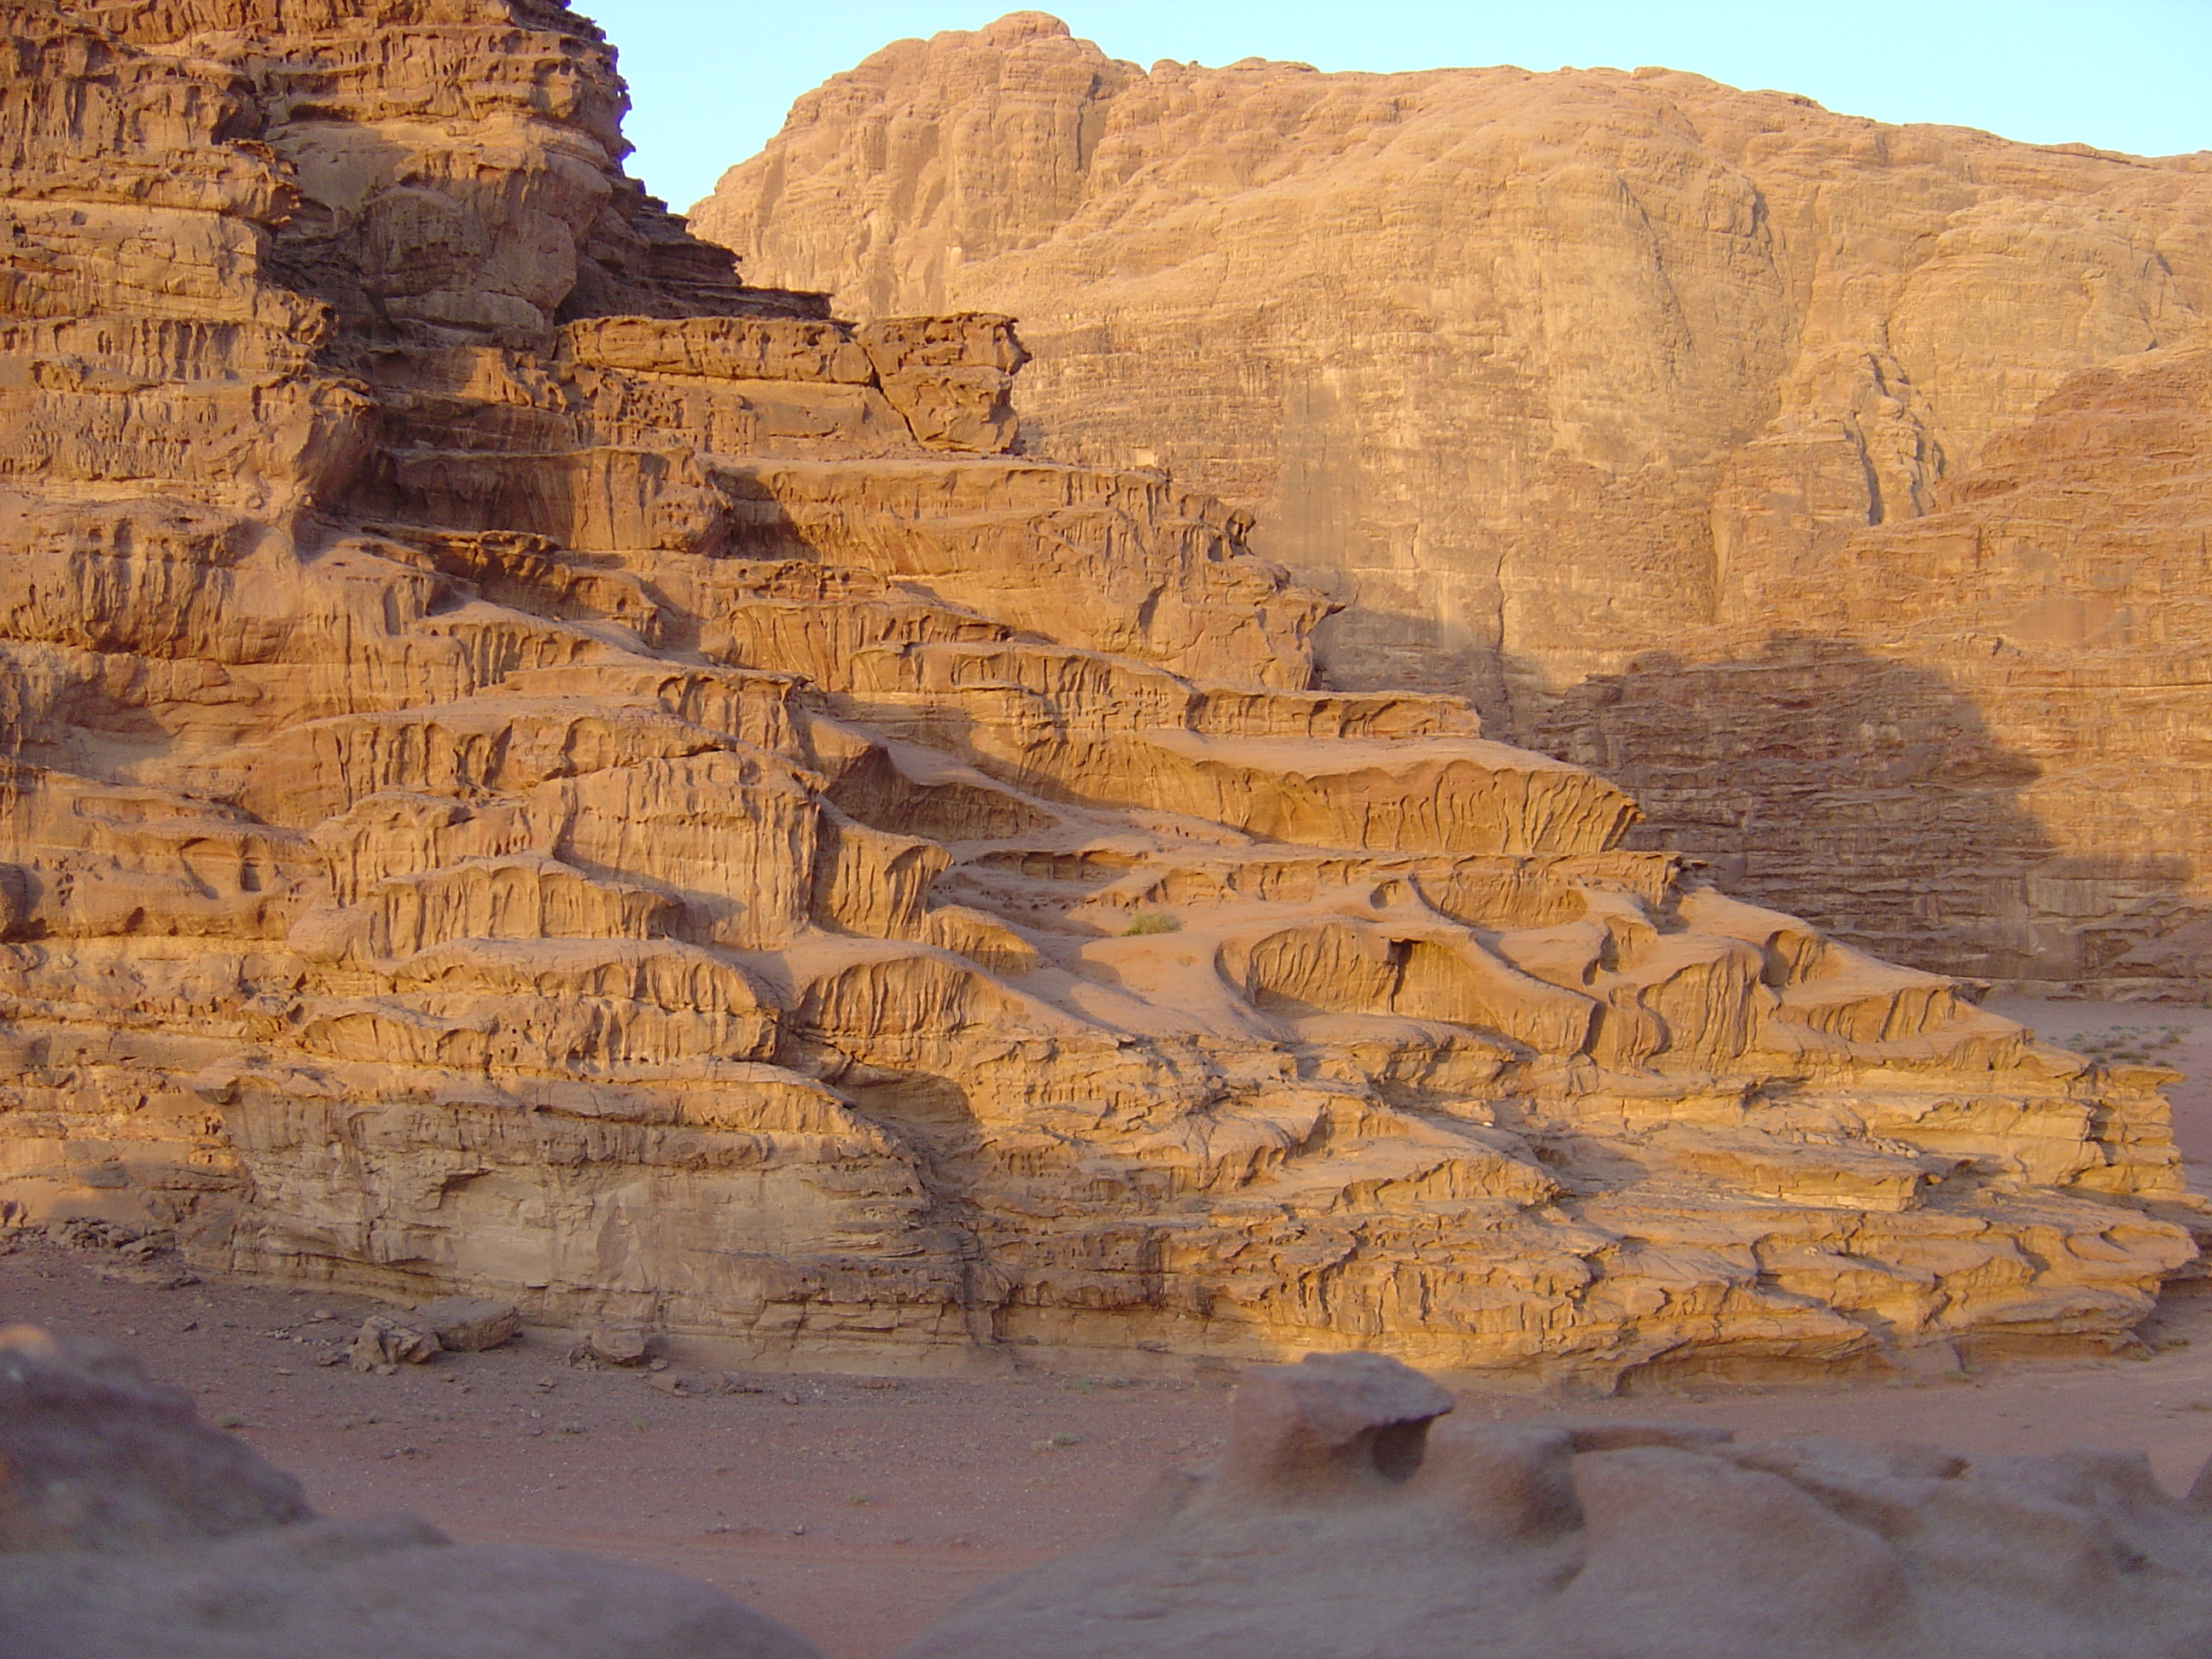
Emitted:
pixel 2014 677
pixel 126 1527
pixel 1344 1519
pixel 535 770
pixel 1553 377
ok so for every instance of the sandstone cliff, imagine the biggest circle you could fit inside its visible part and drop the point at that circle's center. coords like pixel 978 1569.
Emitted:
pixel 533 766
pixel 1544 375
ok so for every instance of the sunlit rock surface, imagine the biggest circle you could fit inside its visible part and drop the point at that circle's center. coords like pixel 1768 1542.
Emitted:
pixel 534 768
pixel 1642 412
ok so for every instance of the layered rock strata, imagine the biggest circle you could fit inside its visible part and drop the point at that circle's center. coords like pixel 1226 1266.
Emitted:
pixel 1547 375
pixel 1992 718
pixel 535 768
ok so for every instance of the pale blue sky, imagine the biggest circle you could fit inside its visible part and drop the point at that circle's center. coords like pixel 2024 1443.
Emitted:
pixel 711 79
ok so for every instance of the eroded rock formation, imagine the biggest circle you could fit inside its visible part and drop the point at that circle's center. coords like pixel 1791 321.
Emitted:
pixel 127 1527
pixel 2015 678
pixel 1575 386
pixel 1350 1516
pixel 535 768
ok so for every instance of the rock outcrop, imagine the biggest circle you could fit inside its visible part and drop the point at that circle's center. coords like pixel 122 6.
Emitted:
pixel 1346 1519
pixel 535 770
pixel 1349 1515
pixel 129 1528
pixel 2015 677
pixel 1553 377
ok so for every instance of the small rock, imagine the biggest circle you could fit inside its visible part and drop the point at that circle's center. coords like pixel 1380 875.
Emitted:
pixel 386 1340
pixel 695 1384
pixel 623 1347
pixel 469 1324
pixel 149 1276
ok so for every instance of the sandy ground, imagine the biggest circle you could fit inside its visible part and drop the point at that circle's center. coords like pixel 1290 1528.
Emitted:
pixel 858 1510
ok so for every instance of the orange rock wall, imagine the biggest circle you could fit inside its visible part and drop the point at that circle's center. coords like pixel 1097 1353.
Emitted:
pixel 532 766
pixel 1548 377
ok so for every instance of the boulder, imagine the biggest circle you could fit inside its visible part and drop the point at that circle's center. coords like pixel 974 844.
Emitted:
pixel 127 1527
pixel 1344 1518
pixel 617 1346
pixel 93 1456
pixel 386 1340
pixel 469 1324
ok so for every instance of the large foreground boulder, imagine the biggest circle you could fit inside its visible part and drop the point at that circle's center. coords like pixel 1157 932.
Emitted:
pixel 1340 1524
pixel 127 1527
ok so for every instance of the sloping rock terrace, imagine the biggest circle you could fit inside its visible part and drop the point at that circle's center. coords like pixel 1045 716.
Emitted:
pixel 1643 412
pixel 534 767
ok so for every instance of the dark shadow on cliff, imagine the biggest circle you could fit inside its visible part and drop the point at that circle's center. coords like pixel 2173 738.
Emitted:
pixel 1870 797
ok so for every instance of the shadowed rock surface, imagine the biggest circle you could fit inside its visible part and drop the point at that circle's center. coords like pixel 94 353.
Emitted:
pixel 535 770
pixel 127 1527
pixel 1580 389
pixel 1340 1524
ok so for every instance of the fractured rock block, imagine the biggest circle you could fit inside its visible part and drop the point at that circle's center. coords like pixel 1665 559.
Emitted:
pixel 950 376
pixel 618 1346
pixel 387 1341
pixel 469 1324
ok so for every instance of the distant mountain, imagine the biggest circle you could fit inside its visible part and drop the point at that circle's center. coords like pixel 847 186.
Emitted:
pixel 1575 388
